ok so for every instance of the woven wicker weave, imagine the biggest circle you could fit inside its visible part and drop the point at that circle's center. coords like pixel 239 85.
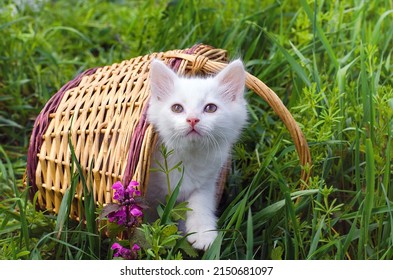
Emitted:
pixel 103 111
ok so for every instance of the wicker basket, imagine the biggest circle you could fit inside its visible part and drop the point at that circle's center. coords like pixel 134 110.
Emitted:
pixel 103 112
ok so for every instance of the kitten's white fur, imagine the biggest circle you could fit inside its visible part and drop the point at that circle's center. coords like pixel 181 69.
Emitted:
pixel 204 151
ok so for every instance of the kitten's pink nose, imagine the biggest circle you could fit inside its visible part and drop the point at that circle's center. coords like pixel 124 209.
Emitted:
pixel 192 121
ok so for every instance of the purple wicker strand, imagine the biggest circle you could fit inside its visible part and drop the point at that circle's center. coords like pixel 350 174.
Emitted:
pixel 175 63
pixel 41 124
pixel 135 148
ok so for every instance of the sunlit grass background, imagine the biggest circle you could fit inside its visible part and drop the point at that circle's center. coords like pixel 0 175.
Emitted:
pixel 329 61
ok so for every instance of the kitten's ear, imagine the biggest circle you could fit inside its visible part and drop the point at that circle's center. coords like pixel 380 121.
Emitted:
pixel 231 80
pixel 162 79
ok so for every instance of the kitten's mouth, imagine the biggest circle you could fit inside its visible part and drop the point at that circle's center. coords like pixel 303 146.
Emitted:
pixel 193 132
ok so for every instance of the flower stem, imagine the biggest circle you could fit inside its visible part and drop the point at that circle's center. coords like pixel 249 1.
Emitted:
pixel 165 155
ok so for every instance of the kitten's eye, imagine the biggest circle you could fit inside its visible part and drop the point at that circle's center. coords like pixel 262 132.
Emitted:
pixel 210 108
pixel 177 108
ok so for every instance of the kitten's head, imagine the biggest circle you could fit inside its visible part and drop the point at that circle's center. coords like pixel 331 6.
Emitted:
pixel 197 111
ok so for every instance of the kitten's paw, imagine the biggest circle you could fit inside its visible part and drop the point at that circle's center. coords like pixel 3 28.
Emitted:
pixel 202 240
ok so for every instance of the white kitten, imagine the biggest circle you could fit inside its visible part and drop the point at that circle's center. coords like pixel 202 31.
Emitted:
pixel 199 119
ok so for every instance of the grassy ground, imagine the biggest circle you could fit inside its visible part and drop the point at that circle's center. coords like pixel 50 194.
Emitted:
pixel 329 61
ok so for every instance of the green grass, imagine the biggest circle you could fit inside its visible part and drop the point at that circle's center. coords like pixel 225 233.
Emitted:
pixel 329 61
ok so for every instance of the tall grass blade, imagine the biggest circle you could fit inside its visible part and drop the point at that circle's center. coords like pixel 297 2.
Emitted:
pixel 89 204
pixel 375 38
pixel 368 200
pixel 297 68
pixel 165 218
pixel 320 33
pixel 351 235
pixel 65 207
pixel 250 237
pixel 214 251
pixel 296 245
pixel 8 172
pixel 316 238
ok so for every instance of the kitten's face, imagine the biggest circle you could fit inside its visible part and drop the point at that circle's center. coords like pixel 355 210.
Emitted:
pixel 189 111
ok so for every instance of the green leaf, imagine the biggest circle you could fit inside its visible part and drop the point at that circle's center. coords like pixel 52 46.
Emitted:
pixel 22 254
pixel 107 209
pixel 184 245
pixel 277 253
pixel 179 212
pixel 169 230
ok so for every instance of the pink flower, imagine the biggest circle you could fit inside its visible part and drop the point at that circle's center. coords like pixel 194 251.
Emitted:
pixel 129 207
pixel 136 247
pixel 116 246
pixel 120 251
pixel 136 211
pixel 122 193
pixel 125 253
pixel 119 191
pixel 119 216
